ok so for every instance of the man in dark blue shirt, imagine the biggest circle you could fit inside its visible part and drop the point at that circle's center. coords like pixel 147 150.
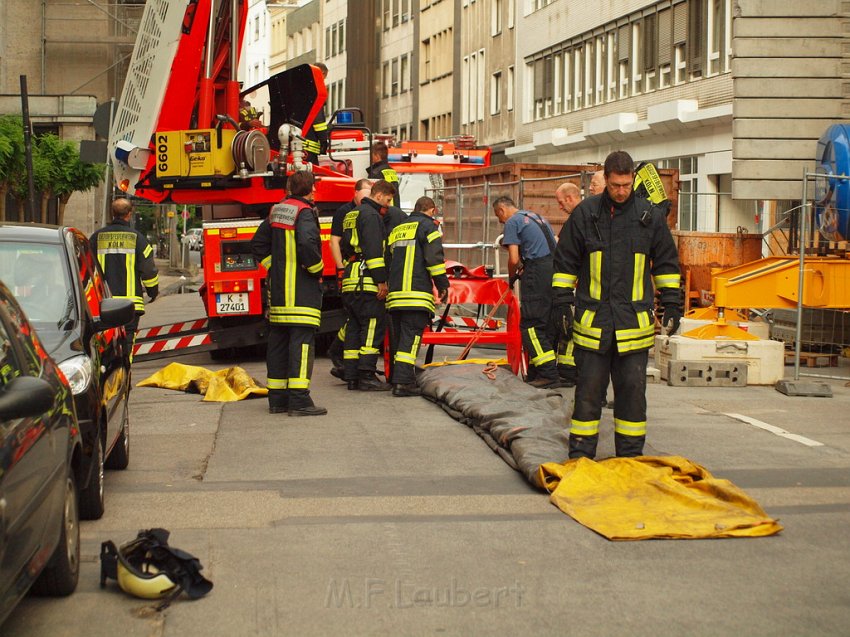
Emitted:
pixel 531 248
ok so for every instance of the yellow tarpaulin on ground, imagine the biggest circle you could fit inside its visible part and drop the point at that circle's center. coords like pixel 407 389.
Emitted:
pixel 225 385
pixel 653 497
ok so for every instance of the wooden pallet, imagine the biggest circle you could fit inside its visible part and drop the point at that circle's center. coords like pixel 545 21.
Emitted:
pixel 813 359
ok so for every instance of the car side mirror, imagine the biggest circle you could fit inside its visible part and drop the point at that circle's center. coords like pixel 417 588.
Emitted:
pixel 25 396
pixel 115 313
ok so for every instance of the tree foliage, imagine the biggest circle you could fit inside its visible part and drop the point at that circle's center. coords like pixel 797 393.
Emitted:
pixel 57 169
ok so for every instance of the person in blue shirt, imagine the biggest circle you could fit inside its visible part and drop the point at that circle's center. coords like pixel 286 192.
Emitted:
pixel 531 249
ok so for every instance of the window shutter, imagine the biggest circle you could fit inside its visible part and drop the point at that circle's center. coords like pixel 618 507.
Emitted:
pixel 696 35
pixel 680 23
pixel 624 43
pixel 538 79
pixel 650 42
pixel 665 35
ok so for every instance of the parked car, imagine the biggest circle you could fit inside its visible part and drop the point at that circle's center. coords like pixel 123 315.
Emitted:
pixel 58 282
pixel 40 465
pixel 195 238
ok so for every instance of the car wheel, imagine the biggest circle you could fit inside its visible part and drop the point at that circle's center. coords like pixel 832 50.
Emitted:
pixel 91 498
pixel 60 576
pixel 119 457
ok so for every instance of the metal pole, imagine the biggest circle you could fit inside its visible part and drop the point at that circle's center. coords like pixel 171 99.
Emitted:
pixel 25 110
pixel 107 183
pixel 799 334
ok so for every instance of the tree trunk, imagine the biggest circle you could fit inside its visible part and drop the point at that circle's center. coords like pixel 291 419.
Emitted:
pixel 3 190
pixel 60 209
pixel 22 210
pixel 45 199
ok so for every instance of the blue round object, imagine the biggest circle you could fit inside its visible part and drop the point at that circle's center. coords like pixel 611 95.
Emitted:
pixel 832 195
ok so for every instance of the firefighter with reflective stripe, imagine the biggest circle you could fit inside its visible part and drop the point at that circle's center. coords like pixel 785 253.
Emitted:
pixel 316 139
pixel 614 249
pixel 364 288
pixel 381 169
pixel 417 266
pixel 289 246
pixel 126 258
pixel 531 247
pixel 568 197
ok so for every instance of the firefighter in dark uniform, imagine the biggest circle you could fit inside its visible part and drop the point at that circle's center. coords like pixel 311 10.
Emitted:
pixel 126 258
pixel 531 249
pixel 615 247
pixel 364 288
pixel 416 260
pixel 289 246
pixel 316 139
pixel 381 169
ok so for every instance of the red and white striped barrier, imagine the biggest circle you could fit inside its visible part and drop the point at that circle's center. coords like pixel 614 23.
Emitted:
pixel 159 331
pixel 171 344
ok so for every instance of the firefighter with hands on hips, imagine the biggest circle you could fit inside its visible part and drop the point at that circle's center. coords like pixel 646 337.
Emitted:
pixel 614 249
pixel 568 197
pixel 126 258
pixel 416 261
pixel 289 246
pixel 362 188
pixel 364 287
pixel 531 247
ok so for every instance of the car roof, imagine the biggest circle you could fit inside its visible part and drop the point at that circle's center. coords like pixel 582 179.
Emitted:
pixel 42 233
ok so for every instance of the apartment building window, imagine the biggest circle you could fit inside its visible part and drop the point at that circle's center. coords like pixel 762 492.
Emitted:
pixel 611 69
pixel 511 11
pixel 665 47
pixel 387 13
pixel 256 28
pixel 426 60
pixel 566 82
pixel 510 88
pixel 396 12
pixel 649 43
pixel 601 68
pixel 536 5
pixel 327 42
pixel 405 72
pixel 495 17
pixel 624 51
pixel 589 73
pixel 543 88
pixel 696 37
pixel 395 80
pixel 385 75
pixel 719 35
pixel 341 36
pixel 637 57
pixel 496 93
pixel 405 11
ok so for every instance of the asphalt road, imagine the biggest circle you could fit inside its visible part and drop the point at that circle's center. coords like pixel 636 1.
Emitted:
pixel 387 517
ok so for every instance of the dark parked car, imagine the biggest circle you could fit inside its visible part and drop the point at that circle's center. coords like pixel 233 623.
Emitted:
pixel 40 463
pixel 61 288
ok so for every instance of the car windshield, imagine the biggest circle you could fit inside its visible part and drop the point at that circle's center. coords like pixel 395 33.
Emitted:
pixel 39 281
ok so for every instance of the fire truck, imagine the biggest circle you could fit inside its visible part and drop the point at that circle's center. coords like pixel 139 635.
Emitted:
pixel 178 138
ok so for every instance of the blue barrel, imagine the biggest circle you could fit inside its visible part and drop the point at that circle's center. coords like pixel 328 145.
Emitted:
pixel 832 195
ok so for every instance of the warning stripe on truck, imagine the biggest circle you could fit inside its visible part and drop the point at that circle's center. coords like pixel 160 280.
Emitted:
pixel 151 348
pixel 173 328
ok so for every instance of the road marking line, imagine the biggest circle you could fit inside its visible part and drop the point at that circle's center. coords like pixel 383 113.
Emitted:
pixel 776 430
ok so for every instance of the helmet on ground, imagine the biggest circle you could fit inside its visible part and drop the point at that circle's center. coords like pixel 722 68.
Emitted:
pixel 148 568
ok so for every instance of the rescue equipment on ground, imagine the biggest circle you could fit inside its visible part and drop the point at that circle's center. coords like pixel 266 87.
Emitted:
pixel 147 567
pixel 225 385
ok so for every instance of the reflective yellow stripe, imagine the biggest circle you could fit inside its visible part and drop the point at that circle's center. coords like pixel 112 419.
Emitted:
pixel 586 341
pixel 377 262
pixel 311 146
pixel 306 311
pixel 629 428
pixel 351 354
pixel 584 325
pixel 596 274
pixel 567 357
pixel 633 346
pixel 433 236
pixel 149 283
pixel 320 126
pixel 267 262
pixel 635 332
pixel 130 263
pixel 563 280
pixel 667 280
pixel 316 268
pixel 302 381
pixel 276 383
pixel 584 427
pixel 370 336
pixel 147 251
pixel 290 267
pixel 541 356
pixel 437 270
pixel 341 333
pixel 637 282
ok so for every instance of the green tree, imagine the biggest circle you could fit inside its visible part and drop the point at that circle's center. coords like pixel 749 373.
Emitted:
pixel 65 173
pixel 11 155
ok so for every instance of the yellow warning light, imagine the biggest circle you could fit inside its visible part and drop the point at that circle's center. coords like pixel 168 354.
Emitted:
pixel 124 185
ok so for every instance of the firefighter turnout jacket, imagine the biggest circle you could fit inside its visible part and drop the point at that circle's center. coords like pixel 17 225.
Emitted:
pixel 416 258
pixel 289 246
pixel 362 247
pixel 126 258
pixel 316 139
pixel 611 255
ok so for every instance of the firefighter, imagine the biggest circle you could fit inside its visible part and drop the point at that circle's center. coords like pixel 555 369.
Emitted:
pixel 126 258
pixel 364 288
pixel 289 246
pixel 568 197
pixel 416 260
pixel 362 189
pixel 381 169
pixel 614 248
pixel 316 139
pixel 531 247
pixel 248 116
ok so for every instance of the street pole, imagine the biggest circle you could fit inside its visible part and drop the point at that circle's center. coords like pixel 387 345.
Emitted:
pixel 25 110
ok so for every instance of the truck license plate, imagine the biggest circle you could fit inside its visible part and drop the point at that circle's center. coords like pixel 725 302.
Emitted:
pixel 234 303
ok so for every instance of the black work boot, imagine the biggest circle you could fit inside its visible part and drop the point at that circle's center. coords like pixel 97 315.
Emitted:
pixel 628 446
pixel 583 446
pixel 544 382
pixel 300 404
pixel 278 401
pixel 353 385
pixel 370 382
pixel 407 389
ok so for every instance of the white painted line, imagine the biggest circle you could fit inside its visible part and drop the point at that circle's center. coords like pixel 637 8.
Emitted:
pixel 776 430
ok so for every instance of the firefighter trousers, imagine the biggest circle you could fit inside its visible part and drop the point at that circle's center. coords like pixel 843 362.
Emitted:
pixel 289 365
pixel 535 317
pixel 406 327
pixel 364 334
pixel 628 376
